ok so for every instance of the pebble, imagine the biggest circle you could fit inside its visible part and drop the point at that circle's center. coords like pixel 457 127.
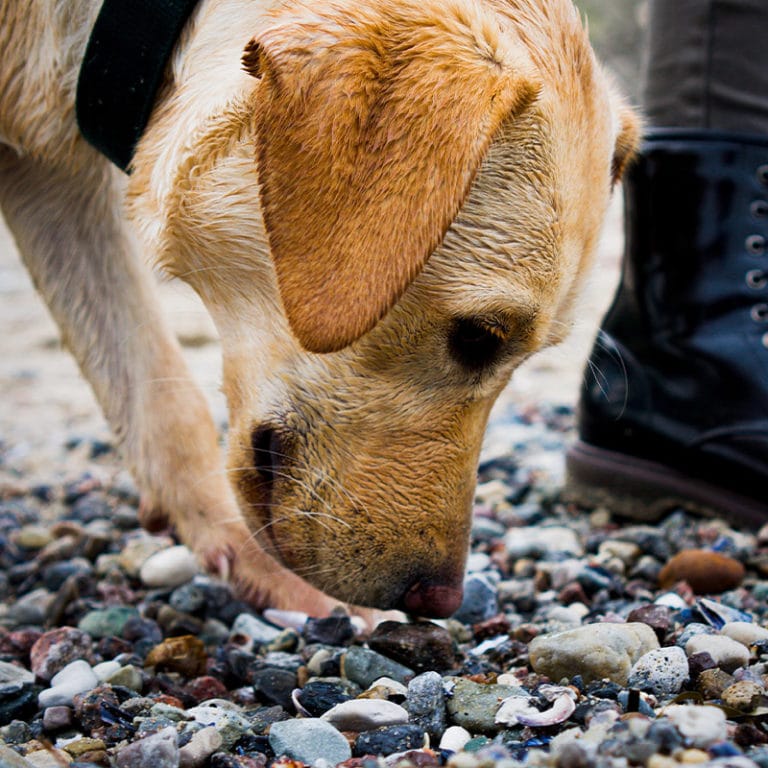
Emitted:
pixel 158 750
pixel 169 567
pixel 185 655
pixel 421 646
pixel 663 671
pixel 365 714
pixel 474 705
pixel 480 601
pixel 712 682
pixel 389 740
pixel 538 542
pixel 13 673
pixel 9 758
pixel 745 632
pixel 426 703
pixel 55 649
pixel 705 571
pixel 198 750
pixel 700 726
pixel 727 653
pixel 363 666
pixel 75 678
pixel 594 651
pixel 309 740
pixel 454 738
pixel 108 622
pixel 744 695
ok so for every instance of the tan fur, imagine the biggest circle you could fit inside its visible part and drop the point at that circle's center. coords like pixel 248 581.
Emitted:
pixel 353 178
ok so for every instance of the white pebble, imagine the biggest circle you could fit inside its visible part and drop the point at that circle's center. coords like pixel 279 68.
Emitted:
pixel 106 669
pixel 393 687
pixel 365 714
pixel 533 541
pixel 455 738
pixel 662 671
pixel 170 567
pixel 745 632
pixel 700 725
pixel 727 653
pixel 75 678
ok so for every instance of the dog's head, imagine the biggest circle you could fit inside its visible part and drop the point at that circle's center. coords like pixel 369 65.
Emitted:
pixel 432 178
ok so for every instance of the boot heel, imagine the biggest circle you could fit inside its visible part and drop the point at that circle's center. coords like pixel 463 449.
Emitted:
pixel 646 491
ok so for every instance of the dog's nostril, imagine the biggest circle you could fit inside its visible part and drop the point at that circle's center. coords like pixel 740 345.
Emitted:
pixel 267 452
pixel 433 600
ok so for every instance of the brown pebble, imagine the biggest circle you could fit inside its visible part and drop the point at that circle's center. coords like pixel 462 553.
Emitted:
pixel 184 654
pixel 657 617
pixel 712 683
pixel 698 662
pixel 748 735
pixel 743 696
pixel 422 646
pixel 706 572
pixel 81 746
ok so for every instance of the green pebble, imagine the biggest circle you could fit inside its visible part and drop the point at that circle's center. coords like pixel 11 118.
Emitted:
pixel 108 622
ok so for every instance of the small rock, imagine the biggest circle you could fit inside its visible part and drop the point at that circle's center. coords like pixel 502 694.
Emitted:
pixel 728 654
pixel 158 750
pixel 137 550
pixel 745 632
pixel 663 671
pixel 480 601
pixel 705 571
pixel 199 748
pixel 712 682
pixel 230 724
pixel 426 703
pixel 454 739
pixel 10 758
pixel 108 622
pixel 364 666
pixel 421 646
pixel 256 632
pixel 389 740
pixel 594 651
pixel 657 617
pixel 332 630
pixel 309 740
pixel 185 655
pixel 56 718
pixel 700 726
pixel 474 705
pixel 13 673
pixel 365 714
pixel 274 686
pixel 744 696
pixel 75 678
pixel 537 542
pixel 170 567
pixel 318 696
pixel 55 649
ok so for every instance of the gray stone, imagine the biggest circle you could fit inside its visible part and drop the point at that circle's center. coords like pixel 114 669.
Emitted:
pixel 256 631
pixel 594 651
pixel 13 673
pixel 480 600
pixel 199 748
pixel 308 740
pixel 426 703
pixel 663 671
pixel 474 705
pixel 227 720
pixel 364 666
pixel 159 750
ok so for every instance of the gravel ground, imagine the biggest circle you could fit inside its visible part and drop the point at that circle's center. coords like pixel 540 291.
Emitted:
pixel 583 640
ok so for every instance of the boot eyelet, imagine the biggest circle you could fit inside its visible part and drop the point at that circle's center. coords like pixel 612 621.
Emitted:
pixel 759 313
pixel 759 209
pixel 755 244
pixel 762 174
pixel 757 279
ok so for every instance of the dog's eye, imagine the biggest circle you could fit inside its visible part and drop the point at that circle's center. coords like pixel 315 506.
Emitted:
pixel 475 344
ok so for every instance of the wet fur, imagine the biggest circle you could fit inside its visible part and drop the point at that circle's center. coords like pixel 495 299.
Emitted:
pixel 340 182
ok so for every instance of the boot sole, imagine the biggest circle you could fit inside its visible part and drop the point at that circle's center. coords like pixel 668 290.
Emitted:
pixel 643 490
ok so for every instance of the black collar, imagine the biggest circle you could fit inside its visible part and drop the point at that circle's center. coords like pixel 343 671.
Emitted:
pixel 123 69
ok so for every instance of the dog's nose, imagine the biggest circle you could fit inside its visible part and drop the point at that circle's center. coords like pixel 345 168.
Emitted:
pixel 436 601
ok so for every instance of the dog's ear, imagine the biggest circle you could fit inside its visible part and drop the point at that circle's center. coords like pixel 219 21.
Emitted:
pixel 627 140
pixel 370 132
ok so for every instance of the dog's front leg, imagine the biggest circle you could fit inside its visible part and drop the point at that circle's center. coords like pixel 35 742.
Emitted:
pixel 69 228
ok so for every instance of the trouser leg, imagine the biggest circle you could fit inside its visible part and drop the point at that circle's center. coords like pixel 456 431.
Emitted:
pixel 707 65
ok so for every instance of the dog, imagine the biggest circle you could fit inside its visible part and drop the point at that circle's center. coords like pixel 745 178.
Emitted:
pixel 386 206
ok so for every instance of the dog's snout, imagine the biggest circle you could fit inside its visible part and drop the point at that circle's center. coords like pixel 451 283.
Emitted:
pixel 432 600
pixel 268 452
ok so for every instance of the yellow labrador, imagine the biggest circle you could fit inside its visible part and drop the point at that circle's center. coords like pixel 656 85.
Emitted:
pixel 386 205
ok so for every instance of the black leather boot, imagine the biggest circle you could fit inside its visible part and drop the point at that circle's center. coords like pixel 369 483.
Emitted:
pixel 674 406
